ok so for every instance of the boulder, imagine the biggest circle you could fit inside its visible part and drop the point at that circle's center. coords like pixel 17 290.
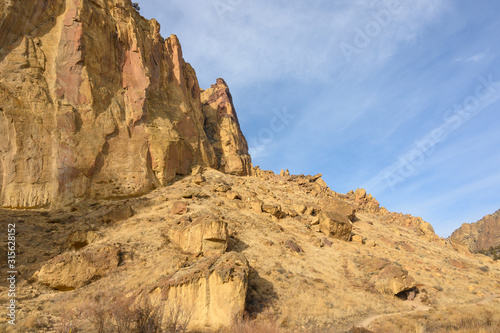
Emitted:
pixel 119 213
pixel 179 208
pixel 346 209
pixel 76 269
pixel 212 291
pixel 336 225
pixel 392 280
pixel 357 239
pixel 207 234
pixel 274 210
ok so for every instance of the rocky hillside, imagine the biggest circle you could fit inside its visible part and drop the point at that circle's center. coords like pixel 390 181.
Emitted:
pixel 94 103
pixel 146 214
pixel 481 235
pixel 225 252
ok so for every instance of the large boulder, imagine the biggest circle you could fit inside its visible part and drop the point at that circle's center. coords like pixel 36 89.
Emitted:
pixel 336 225
pixel 393 279
pixel 211 292
pixel 207 234
pixel 335 205
pixel 76 269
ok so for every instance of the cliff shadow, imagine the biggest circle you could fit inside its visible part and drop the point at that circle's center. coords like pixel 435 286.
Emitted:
pixel 260 295
pixel 236 244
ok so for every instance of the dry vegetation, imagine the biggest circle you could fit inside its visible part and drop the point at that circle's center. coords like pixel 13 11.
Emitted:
pixel 477 318
pixel 325 287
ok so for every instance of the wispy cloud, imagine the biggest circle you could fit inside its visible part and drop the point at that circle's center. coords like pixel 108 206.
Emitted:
pixel 473 58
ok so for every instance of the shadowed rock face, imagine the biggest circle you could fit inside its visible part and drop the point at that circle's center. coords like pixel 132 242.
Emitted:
pixel 94 103
pixel 481 235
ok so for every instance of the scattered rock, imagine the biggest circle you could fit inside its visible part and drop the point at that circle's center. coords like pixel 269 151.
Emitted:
pixel 274 210
pixel 293 246
pixel 119 213
pixel 233 195
pixel 289 212
pixel 179 208
pixel 326 242
pixel 221 187
pixel 357 239
pixel 80 239
pixel 255 205
pixel 321 183
pixel 198 179
pixel 301 208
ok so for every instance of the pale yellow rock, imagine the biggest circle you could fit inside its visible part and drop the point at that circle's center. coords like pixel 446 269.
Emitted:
pixel 335 225
pixel 206 234
pixel 75 269
pixel 212 292
pixel 357 239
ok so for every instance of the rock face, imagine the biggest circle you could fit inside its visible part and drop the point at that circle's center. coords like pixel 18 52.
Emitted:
pixel 481 235
pixel 72 270
pixel 223 130
pixel 94 103
pixel 206 234
pixel 212 291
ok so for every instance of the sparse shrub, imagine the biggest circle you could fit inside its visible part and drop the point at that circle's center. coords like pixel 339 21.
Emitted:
pixel 122 313
pixel 176 319
pixel 147 316
pixel 66 321
pixel 97 313
pixel 136 6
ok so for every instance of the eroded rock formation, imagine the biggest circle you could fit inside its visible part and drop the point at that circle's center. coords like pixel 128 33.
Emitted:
pixel 481 235
pixel 94 103
pixel 212 291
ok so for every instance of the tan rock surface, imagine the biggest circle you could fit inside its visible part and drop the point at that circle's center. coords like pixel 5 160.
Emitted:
pixel 101 110
pixel 206 234
pixel 212 291
pixel 72 270
pixel 223 130
pixel 335 225
pixel 481 235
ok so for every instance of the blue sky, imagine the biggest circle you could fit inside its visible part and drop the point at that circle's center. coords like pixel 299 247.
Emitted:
pixel 400 97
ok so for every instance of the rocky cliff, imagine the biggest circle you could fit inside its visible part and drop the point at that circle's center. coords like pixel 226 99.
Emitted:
pixel 94 103
pixel 481 235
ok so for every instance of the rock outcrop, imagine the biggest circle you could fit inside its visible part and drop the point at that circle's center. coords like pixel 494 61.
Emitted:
pixel 206 234
pixel 223 130
pixel 75 269
pixel 212 291
pixel 94 103
pixel 481 235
